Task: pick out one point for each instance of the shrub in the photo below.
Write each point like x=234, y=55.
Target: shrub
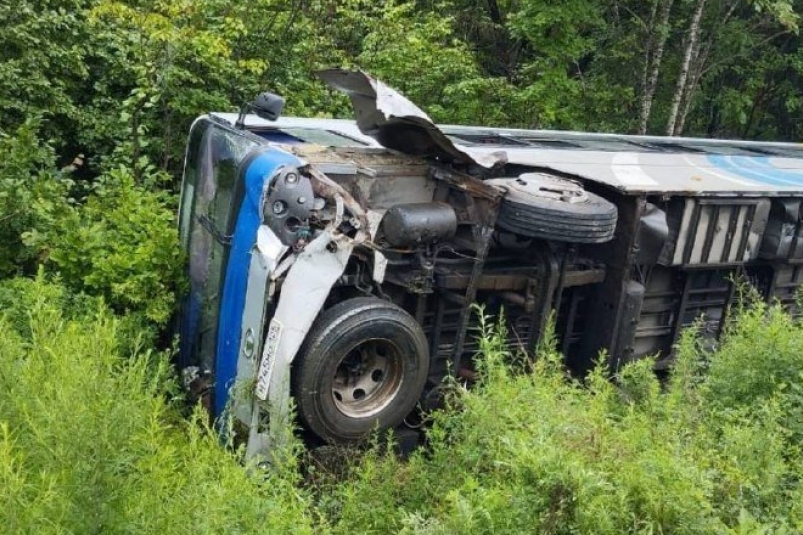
x=33, y=196
x=91, y=442
x=546, y=454
x=121, y=244
x=90, y=439
x=760, y=361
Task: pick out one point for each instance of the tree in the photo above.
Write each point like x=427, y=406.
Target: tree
x=691, y=50
x=657, y=33
x=702, y=42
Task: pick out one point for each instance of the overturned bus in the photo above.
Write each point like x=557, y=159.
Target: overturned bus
x=336, y=262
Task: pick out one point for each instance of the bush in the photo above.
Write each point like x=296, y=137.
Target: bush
x=91, y=442
x=761, y=362
x=33, y=196
x=550, y=455
x=91, y=439
x=121, y=244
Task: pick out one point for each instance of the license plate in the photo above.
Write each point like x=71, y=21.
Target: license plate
x=268, y=358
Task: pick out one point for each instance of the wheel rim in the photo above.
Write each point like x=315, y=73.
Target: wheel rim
x=367, y=378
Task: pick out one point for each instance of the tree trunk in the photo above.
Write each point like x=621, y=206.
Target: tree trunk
x=695, y=73
x=494, y=12
x=691, y=46
x=659, y=32
x=699, y=64
x=644, y=106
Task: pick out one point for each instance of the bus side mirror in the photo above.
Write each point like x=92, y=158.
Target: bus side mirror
x=268, y=106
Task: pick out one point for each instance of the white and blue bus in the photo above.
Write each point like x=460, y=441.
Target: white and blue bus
x=337, y=261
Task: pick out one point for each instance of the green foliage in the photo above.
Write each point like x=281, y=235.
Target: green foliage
x=401, y=45
x=121, y=244
x=33, y=195
x=90, y=440
x=764, y=353
x=91, y=437
x=168, y=60
x=541, y=451
x=120, y=80
x=43, y=61
x=761, y=369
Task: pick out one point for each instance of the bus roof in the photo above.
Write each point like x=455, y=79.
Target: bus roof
x=631, y=164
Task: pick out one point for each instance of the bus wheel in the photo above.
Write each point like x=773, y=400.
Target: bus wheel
x=362, y=368
x=538, y=205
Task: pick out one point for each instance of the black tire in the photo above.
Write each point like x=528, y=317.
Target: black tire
x=362, y=368
x=519, y=220
x=588, y=218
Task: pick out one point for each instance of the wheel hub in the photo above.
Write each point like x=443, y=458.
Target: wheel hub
x=542, y=186
x=367, y=379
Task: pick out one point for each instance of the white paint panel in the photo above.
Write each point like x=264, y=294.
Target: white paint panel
x=627, y=170
x=304, y=291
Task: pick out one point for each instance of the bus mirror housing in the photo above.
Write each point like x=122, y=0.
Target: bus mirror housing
x=267, y=106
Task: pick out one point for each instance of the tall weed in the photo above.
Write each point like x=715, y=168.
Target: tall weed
x=90, y=441
x=542, y=453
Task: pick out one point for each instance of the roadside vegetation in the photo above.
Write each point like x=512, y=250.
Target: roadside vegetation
x=97, y=97
x=94, y=438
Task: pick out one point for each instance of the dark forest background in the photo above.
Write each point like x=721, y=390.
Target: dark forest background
x=97, y=96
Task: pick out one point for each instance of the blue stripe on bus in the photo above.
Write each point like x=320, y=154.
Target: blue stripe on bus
x=759, y=169
x=261, y=169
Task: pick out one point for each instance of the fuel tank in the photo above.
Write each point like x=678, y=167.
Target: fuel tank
x=414, y=224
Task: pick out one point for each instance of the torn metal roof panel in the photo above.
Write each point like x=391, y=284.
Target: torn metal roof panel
x=727, y=167
x=631, y=164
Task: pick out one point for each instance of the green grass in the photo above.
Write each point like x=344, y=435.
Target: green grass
x=92, y=440
x=538, y=453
